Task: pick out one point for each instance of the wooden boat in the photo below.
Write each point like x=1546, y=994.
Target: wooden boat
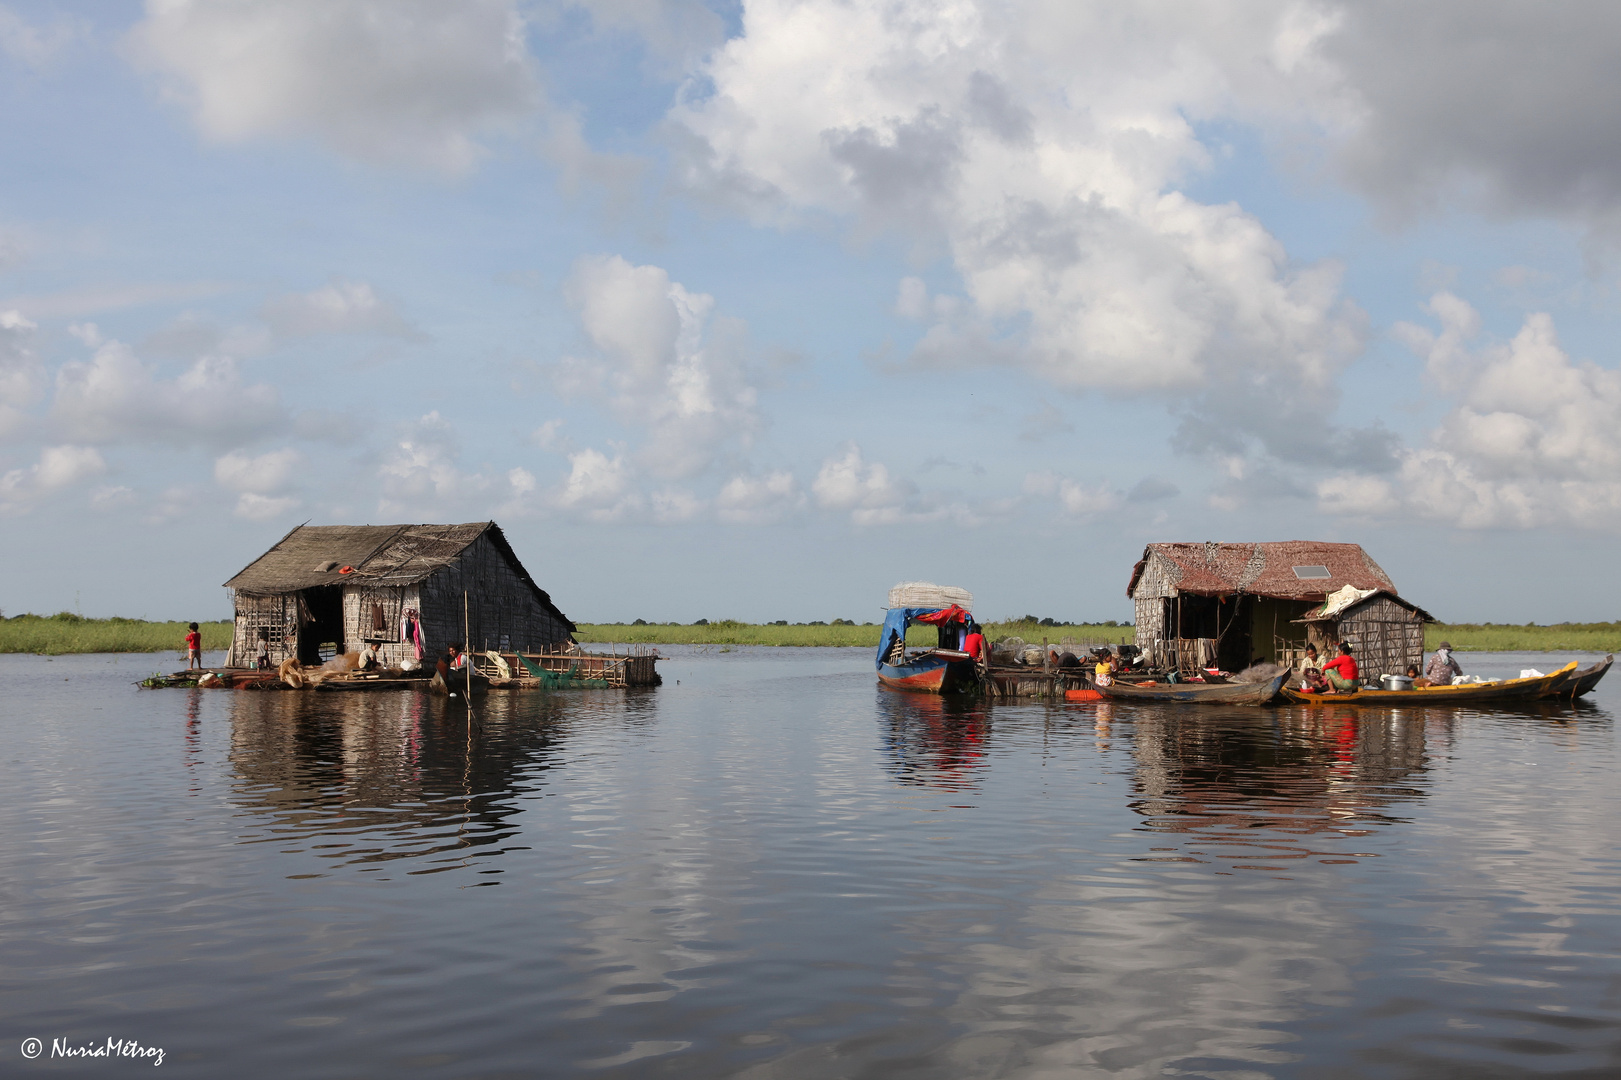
x=928, y=671
x=1582, y=682
x=1467, y=694
x=1229, y=693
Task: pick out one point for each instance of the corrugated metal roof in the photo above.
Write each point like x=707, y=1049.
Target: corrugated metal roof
x=1266, y=569
x=386, y=555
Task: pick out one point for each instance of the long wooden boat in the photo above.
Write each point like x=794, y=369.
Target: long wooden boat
x=1231, y=693
x=1467, y=694
x=1582, y=682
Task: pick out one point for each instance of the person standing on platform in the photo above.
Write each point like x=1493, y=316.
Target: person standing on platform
x=194, y=648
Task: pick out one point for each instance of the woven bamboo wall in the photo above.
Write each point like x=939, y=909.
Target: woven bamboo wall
x=278, y=615
x=1385, y=637
x=363, y=604
x=502, y=612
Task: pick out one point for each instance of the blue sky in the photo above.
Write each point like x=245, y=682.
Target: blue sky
x=752, y=311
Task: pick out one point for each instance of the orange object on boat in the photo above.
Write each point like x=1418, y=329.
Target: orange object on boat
x=1082, y=695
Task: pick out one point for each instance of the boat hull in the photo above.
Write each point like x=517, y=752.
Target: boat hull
x=1583, y=681
x=930, y=675
x=1198, y=693
x=1507, y=690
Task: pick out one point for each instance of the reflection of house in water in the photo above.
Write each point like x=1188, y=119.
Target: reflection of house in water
x=934, y=740
x=1294, y=772
x=369, y=778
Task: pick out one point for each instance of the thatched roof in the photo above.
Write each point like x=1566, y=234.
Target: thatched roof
x=1267, y=569
x=381, y=555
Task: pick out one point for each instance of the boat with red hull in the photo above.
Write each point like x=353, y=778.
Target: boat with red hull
x=939, y=670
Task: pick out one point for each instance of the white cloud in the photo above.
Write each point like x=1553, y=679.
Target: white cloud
x=1533, y=439
x=265, y=473
x=599, y=487
x=259, y=482
x=412, y=81
x=58, y=467
x=115, y=397
x=256, y=507
x=1074, y=498
x=673, y=506
x=759, y=500
x=1042, y=147
x=22, y=376
x=34, y=44
x=873, y=497
x=421, y=470
x=1490, y=102
x=664, y=362
x=343, y=307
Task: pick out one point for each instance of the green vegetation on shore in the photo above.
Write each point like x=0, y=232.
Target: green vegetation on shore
x=838, y=632
x=1502, y=637
x=65, y=632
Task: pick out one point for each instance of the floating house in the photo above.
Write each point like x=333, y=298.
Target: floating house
x=1226, y=605
x=324, y=589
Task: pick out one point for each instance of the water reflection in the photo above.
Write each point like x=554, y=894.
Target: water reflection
x=935, y=741
x=365, y=779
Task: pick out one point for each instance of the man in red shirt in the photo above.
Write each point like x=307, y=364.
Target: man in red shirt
x=1341, y=672
x=974, y=643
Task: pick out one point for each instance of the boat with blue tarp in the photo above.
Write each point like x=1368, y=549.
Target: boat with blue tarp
x=942, y=669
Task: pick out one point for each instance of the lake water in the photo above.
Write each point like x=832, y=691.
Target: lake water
x=776, y=870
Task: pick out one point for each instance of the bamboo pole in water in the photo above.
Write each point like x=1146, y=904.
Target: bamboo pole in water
x=467, y=643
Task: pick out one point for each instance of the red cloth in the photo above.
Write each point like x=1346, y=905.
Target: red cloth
x=1345, y=664
x=974, y=645
x=194, y=640
x=950, y=614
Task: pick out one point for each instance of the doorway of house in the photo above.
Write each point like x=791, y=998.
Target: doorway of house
x=321, y=637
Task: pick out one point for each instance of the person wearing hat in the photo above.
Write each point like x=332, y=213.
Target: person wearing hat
x=1442, y=666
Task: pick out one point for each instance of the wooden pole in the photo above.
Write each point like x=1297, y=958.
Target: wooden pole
x=467, y=643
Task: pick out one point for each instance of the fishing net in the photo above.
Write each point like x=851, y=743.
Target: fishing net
x=928, y=594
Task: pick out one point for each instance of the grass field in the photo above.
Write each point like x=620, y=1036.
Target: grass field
x=69, y=633
x=53, y=635
x=730, y=632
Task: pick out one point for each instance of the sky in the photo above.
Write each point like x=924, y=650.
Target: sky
x=753, y=310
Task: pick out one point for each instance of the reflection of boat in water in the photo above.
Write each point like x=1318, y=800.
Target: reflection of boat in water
x=1467, y=694
x=1230, y=693
x=1583, y=681
x=944, y=669
x=935, y=741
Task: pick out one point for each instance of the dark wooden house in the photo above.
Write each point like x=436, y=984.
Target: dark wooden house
x=336, y=588
x=1225, y=605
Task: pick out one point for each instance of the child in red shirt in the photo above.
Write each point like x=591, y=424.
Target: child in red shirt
x=1341, y=672
x=194, y=648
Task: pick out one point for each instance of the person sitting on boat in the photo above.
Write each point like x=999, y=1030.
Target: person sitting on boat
x=1341, y=672
x=1103, y=671
x=1309, y=662
x=1418, y=680
x=974, y=643
x=1443, y=666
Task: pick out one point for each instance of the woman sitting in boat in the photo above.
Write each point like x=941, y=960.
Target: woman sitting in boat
x=1443, y=667
x=1341, y=672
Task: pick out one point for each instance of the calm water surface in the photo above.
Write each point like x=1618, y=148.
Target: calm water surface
x=776, y=870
